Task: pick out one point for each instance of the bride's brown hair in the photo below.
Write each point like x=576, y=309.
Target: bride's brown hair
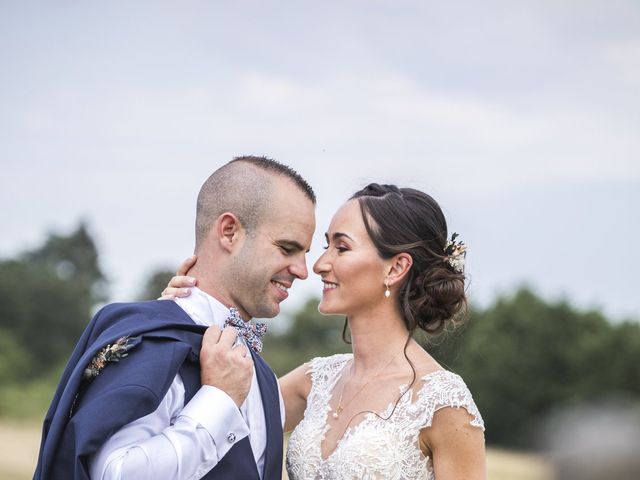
x=408, y=220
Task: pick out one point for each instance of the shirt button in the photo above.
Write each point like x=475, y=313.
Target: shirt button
x=231, y=437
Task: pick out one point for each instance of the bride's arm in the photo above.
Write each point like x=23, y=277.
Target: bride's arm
x=455, y=446
x=295, y=387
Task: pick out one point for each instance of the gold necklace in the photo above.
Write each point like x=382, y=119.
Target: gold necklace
x=340, y=407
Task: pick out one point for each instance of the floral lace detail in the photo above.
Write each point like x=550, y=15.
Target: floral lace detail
x=373, y=448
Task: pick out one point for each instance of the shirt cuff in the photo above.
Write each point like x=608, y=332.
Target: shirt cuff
x=217, y=413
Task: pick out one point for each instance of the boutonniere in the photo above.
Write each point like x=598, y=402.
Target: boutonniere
x=110, y=353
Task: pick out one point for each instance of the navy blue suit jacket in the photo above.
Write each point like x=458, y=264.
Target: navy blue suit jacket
x=166, y=342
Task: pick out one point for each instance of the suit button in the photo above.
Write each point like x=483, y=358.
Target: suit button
x=231, y=437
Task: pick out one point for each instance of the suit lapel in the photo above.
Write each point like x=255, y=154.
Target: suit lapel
x=271, y=404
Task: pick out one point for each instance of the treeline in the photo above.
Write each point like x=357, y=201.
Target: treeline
x=46, y=297
x=522, y=356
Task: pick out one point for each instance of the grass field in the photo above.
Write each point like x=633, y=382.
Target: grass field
x=19, y=450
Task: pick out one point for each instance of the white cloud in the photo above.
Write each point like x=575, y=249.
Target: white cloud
x=624, y=58
x=121, y=120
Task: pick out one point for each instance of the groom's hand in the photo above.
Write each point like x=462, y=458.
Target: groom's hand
x=225, y=365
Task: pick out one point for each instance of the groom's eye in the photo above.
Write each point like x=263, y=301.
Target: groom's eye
x=286, y=250
x=289, y=247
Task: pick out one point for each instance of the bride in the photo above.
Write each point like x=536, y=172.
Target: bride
x=388, y=410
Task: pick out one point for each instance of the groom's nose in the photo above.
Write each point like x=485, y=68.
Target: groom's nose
x=299, y=268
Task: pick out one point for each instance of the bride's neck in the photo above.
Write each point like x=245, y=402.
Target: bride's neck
x=376, y=339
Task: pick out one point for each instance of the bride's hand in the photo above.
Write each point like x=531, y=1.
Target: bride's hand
x=179, y=285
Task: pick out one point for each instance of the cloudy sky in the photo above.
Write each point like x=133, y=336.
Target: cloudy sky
x=521, y=118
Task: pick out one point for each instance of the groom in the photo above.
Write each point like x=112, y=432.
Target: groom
x=162, y=390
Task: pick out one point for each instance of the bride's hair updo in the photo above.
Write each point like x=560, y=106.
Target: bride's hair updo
x=407, y=220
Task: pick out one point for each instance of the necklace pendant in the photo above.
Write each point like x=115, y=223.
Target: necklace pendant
x=335, y=415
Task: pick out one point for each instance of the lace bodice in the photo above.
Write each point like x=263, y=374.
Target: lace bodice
x=373, y=448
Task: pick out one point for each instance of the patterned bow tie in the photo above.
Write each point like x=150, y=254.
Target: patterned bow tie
x=252, y=332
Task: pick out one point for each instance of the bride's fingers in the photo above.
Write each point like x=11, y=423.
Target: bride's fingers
x=166, y=296
x=185, y=266
x=179, y=285
x=170, y=293
x=181, y=281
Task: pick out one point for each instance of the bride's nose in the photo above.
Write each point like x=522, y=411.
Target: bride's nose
x=322, y=265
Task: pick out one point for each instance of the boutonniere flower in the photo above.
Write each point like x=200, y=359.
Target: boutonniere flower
x=110, y=353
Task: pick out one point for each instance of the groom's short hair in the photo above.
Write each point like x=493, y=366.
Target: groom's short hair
x=243, y=187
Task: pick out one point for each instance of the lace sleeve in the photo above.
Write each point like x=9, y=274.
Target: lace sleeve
x=322, y=369
x=445, y=389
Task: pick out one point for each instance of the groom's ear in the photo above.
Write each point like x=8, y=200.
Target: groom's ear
x=228, y=230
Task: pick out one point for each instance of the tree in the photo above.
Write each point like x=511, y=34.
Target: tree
x=310, y=334
x=155, y=284
x=523, y=357
x=48, y=295
x=74, y=258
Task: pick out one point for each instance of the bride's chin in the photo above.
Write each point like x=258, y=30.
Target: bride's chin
x=325, y=309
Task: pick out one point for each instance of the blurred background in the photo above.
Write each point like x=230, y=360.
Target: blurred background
x=520, y=118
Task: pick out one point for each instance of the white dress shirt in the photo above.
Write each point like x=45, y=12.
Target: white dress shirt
x=179, y=441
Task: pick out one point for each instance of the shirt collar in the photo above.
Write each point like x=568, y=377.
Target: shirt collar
x=203, y=308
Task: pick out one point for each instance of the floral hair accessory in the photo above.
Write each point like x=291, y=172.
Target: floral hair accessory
x=110, y=353
x=455, y=253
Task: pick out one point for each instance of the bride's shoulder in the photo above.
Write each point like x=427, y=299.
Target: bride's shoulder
x=327, y=367
x=332, y=361
x=434, y=379
x=442, y=388
x=438, y=381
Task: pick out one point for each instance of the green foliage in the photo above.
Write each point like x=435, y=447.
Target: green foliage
x=522, y=357
x=28, y=399
x=47, y=297
x=73, y=256
x=311, y=334
x=15, y=362
x=155, y=284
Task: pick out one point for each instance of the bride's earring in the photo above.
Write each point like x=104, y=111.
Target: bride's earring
x=387, y=293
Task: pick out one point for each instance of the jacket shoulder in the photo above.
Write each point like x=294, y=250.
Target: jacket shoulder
x=136, y=316
x=148, y=309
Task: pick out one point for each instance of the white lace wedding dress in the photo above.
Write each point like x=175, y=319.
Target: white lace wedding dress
x=373, y=448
